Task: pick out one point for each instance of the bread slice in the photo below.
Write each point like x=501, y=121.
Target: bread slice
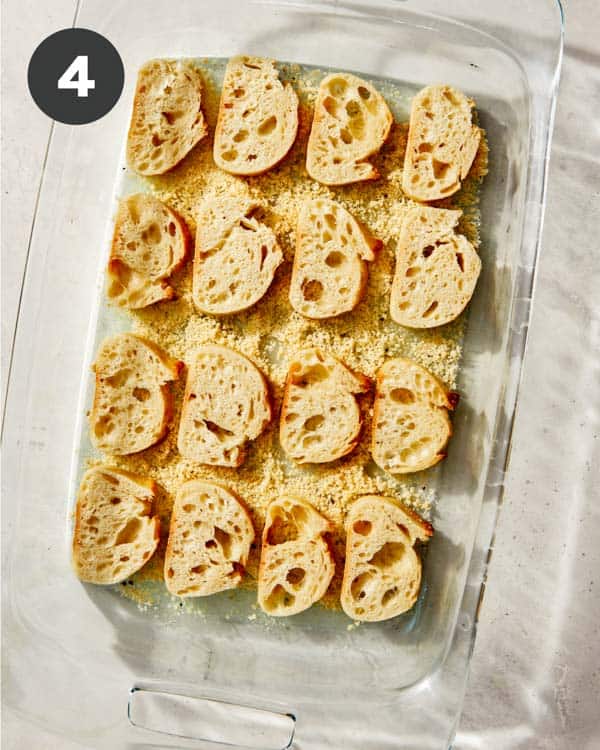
x=320, y=416
x=330, y=265
x=296, y=564
x=436, y=269
x=411, y=426
x=350, y=124
x=132, y=399
x=258, y=117
x=167, y=119
x=225, y=405
x=115, y=531
x=382, y=572
x=209, y=540
x=236, y=256
x=442, y=143
x=150, y=242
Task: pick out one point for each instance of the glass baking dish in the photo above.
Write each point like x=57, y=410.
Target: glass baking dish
x=93, y=668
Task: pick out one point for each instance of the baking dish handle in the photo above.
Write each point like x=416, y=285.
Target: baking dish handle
x=209, y=720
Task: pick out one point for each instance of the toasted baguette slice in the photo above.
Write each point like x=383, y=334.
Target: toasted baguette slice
x=167, y=119
x=411, y=426
x=382, y=572
x=436, y=269
x=350, y=124
x=209, y=540
x=115, y=533
x=132, y=400
x=330, y=270
x=236, y=256
x=442, y=143
x=296, y=564
x=320, y=416
x=226, y=404
x=258, y=117
x=150, y=242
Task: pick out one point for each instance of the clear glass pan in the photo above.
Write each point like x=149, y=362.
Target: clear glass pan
x=75, y=652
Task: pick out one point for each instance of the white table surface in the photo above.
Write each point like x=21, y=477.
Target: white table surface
x=535, y=673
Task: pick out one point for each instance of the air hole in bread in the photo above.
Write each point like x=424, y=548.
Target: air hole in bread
x=229, y=155
x=115, y=500
x=425, y=148
x=267, y=126
x=251, y=66
x=412, y=271
x=359, y=586
x=313, y=374
x=331, y=221
x=295, y=576
x=220, y=432
x=312, y=290
x=440, y=168
x=449, y=95
x=119, y=379
x=239, y=92
x=389, y=595
x=388, y=555
x=431, y=309
x=338, y=86
x=279, y=597
x=335, y=259
x=141, y=394
x=364, y=93
x=240, y=136
x=283, y=529
x=198, y=569
x=363, y=527
x=129, y=532
x=402, y=395
x=346, y=136
x=224, y=539
x=461, y=261
x=313, y=423
x=427, y=251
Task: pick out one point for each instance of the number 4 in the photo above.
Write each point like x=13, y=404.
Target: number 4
x=79, y=68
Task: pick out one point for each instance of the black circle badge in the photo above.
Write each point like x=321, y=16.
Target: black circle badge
x=75, y=76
